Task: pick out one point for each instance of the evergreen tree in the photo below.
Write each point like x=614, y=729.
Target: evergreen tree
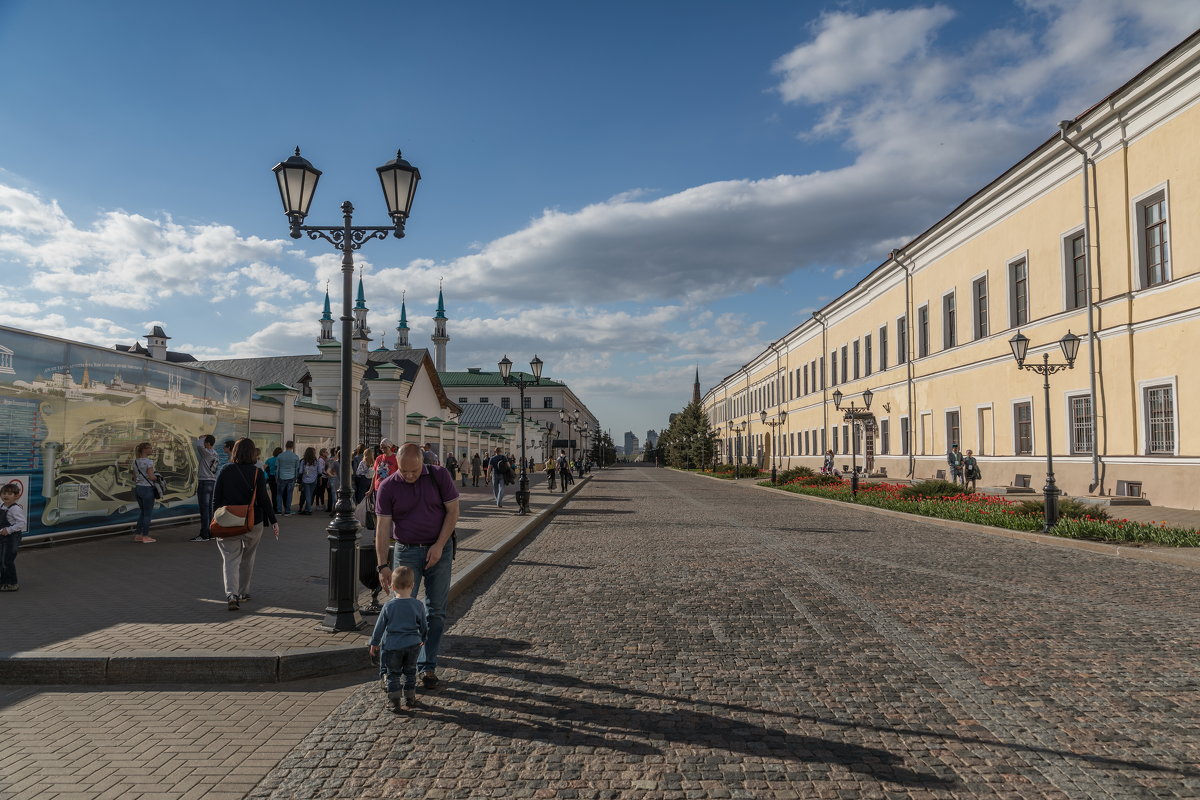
x=689, y=442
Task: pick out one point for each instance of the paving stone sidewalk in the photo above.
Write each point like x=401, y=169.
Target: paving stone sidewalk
x=114, y=599
x=671, y=637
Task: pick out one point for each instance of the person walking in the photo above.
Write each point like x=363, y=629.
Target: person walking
x=240, y=481
x=310, y=470
x=452, y=466
x=463, y=465
x=385, y=463
x=564, y=470
x=416, y=511
x=551, y=468
x=476, y=469
x=397, y=638
x=955, y=461
x=333, y=477
x=827, y=463
x=272, y=467
x=143, y=490
x=12, y=525
x=364, y=470
x=499, y=468
x=206, y=479
x=970, y=471
x=289, y=468
x=322, y=478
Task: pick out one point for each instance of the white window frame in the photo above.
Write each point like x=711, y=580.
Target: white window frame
x=906, y=442
x=885, y=441
x=1012, y=416
x=1069, y=416
x=985, y=448
x=1012, y=290
x=949, y=331
x=976, y=334
x=1143, y=427
x=1068, y=267
x=946, y=420
x=922, y=344
x=1137, y=218
x=926, y=447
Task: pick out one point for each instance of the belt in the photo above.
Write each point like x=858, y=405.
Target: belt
x=410, y=544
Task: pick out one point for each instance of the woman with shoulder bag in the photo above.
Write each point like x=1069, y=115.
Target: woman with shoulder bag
x=143, y=489
x=236, y=485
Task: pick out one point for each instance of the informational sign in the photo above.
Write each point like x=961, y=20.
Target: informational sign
x=71, y=415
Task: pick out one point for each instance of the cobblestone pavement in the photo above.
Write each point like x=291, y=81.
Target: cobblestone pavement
x=672, y=637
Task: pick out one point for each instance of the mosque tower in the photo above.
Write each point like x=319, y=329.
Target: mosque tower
x=361, y=331
x=402, y=328
x=440, y=337
x=326, y=322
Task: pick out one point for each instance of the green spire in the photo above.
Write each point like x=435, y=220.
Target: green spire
x=362, y=299
x=328, y=314
x=403, y=316
x=441, y=312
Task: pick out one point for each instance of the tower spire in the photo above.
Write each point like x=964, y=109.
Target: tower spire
x=440, y=337
x=361, y=331
x=402, y=328
x=696, y=386
x=326, y=320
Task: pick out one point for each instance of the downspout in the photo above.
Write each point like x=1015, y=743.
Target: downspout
x=1091, y=301
x=821, y=318
x=908, y=361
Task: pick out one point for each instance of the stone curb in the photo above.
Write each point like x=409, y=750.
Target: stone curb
x=93, y=667
x=1180, y=558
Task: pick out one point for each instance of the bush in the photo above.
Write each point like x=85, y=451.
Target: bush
x=1067, y=509
x=789, y=475
x=931, y=488
x=819, y=480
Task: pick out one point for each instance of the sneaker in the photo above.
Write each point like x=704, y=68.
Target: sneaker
x=200, y=539
x=8, y=587
x=429, y=679
x=233, y=602
x=243, y=598
x=410, y=697
x=396, y=704
x=144, y=539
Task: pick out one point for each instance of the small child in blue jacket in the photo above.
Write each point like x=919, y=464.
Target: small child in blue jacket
x=400, y=633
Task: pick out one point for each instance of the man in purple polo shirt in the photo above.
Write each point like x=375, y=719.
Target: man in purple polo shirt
x=416, y=509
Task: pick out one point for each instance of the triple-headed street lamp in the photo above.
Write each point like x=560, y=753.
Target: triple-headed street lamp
x=774, y=423
x=736, y=431
x=297, y=179
x=506, y=375
x=569, y=422
x=1070, y=348
x=854, y=415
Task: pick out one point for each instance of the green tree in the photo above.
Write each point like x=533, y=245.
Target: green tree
x=689, y=442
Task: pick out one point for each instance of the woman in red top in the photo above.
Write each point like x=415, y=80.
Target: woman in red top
x=385, y=463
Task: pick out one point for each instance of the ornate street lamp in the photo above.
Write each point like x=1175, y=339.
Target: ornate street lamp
x=854, y=415
x=1070, y=348
x=736, y=431
x=509, y=379
x=774, y=423
x=297, y=180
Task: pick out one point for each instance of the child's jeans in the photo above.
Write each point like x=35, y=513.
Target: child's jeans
x=399, y=664
x=8, y=558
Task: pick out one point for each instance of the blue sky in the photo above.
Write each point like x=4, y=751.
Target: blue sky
x=627, y=189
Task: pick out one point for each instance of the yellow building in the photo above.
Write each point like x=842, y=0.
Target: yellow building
x=928, y=330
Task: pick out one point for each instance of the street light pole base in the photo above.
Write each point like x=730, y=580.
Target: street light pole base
x=341, y=612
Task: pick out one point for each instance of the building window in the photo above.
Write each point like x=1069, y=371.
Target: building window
x=1076, y=257
x=979, y=303
x=953, y=429
x=483, y=399
x=547, y=402
x=805, y=368
x=527, y=402
x=833, y=368
x=845, y=438
x=905, y=436
x=883, y=343
x=462, y=400
x=806, y=443
x=505, y=402
x=885, y=444
x=1160, y=420
x=857, y=360
x=846, y=363
x=902, y=340
x=1018, y=293
x=866, y=354
x=949, y=322
x=1023, y=428
x=1081, y=423
x=1152, y=239
x=923, y=331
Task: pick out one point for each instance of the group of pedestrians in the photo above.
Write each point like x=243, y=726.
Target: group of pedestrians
x=963, y=469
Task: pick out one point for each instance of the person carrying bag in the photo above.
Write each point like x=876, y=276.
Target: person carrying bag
x=243, y=507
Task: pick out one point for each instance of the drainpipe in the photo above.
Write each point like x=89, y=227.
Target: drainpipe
x=821, y=318
x=908, y=361
x=1091, y=300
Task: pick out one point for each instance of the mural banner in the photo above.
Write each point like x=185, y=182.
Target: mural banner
x=71, y=415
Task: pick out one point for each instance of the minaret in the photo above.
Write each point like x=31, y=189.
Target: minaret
x=696, y=387
x=361, y=331
x=326, y=322
x=402, y=328
x=440, y=337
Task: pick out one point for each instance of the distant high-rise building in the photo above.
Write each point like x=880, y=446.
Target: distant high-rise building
x=651, y=438
x=631, y=443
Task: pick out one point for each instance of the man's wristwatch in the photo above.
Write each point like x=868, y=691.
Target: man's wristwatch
x=382, y=567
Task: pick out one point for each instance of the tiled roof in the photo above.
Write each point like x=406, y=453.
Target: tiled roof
x=483, y=416
x=481, y=378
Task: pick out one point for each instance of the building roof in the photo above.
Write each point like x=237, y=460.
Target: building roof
x=173, y=357
x=484, y=416
x=477, y=377
x=286, y=370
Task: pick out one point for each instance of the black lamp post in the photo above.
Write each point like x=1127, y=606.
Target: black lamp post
x=506, y=375
x=1070, y=348
x=736, y=430
x=297, y=180
x=773, y=423
x=854, y=415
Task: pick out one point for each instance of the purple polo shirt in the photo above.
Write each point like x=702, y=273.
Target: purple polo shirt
x=417, y=509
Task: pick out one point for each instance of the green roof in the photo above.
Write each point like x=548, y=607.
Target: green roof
x=274, y=387
x=449, y=379
x=416, y=415
x=436, y=419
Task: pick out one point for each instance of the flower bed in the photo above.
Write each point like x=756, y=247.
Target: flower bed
x=986, y=509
